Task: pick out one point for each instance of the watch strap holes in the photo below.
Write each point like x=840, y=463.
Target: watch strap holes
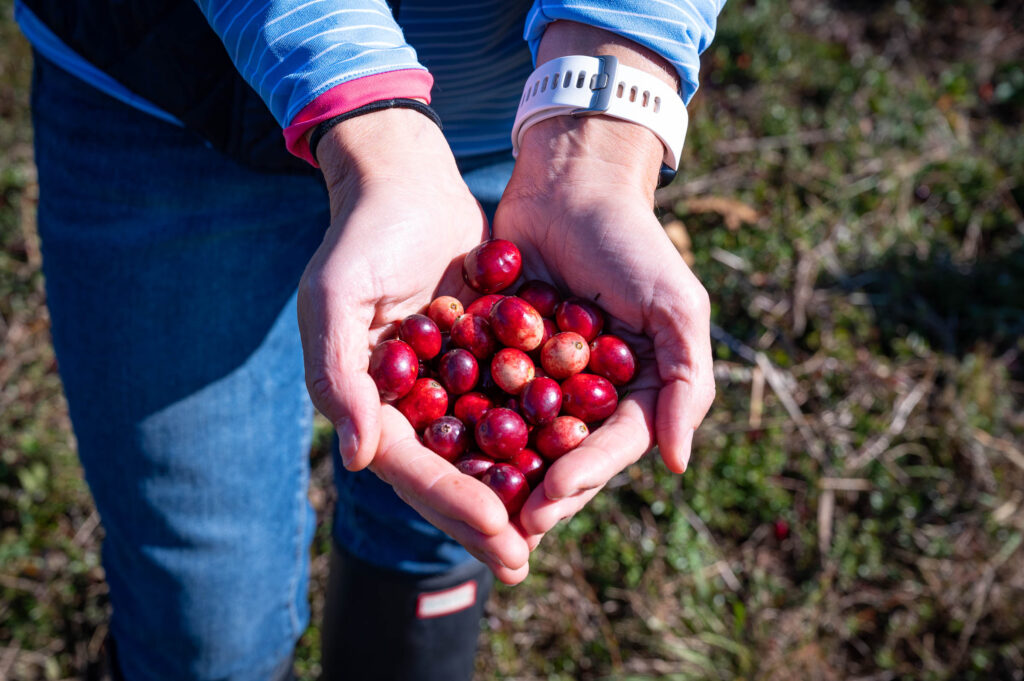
x=581, y=79
x=536, y=86
x=554, y=80
x=568, y=79
x=657, y=104
x=646, y=99
x=544, y=84
x=632, y=93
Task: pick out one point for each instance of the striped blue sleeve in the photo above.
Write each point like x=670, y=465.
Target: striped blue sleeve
x=678, y=30
x=292, y=51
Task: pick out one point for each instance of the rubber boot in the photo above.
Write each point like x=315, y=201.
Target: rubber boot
x=383, y=625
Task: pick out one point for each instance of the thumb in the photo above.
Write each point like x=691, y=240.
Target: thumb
x=335, y=349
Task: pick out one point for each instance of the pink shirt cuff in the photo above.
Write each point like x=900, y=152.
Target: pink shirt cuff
x=352, y=94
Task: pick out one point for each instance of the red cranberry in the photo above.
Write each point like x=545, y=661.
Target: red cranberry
x=567, y=353
x=393, y=367
x=531, y=464
x=444, y=310
x=422, y=334
x=589, y=397
x=474, y=464
x=501, y=433
x=511, y=370
x=447, y=436
x=492, y=265
x=509, y=483
x=426, y=402
x=516, y=324
x=612, y=358
x=458, y=371
x=541, y=400
x=562, y=435
x=541, y=295
x=781, y=528
x=470, y=408
x=580, y=315
x=481, y=307
x=474, y=334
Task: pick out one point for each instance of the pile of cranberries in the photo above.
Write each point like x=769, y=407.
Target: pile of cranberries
x=509, y=383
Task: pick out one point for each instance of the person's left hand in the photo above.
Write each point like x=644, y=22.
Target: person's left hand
x=579, y=206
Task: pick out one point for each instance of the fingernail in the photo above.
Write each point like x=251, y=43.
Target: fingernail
x=687, y=448
x=348, y=439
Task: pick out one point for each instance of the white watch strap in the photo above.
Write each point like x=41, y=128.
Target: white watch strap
x=581, y=86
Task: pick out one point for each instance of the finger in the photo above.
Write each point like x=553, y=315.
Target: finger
x=506, y=553
x=426, y=480
x=334, y=330
x=682, y=346
x=620, y=441
x=457, y=504
x=540, y=514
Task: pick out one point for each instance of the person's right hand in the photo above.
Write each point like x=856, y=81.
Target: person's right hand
x=401, y=220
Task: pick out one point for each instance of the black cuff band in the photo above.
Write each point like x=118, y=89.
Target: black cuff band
x=416, y=105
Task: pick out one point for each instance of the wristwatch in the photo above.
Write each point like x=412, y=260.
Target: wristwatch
x=579, y=85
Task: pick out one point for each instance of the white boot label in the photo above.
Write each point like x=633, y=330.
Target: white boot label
x=440, y=603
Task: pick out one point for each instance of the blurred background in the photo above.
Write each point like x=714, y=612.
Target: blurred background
x=851, y=196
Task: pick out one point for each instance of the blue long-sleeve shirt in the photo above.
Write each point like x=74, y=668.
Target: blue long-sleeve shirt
x=293, y=52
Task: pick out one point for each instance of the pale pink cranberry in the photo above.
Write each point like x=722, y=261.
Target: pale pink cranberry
x=511, y=370
x=443, y=311
x=567, y=353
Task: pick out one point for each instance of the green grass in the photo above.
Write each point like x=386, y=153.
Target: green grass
x=852, y=190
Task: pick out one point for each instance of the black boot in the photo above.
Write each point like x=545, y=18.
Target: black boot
x=382, y=625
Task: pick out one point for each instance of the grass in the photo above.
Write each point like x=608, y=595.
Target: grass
x=852, y=198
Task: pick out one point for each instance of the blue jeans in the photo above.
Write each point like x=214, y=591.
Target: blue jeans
x=171, y=274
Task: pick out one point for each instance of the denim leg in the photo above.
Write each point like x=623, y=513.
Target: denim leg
x=171, y=276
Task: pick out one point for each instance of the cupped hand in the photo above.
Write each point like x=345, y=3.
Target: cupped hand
x=586, y=224
x=401, y=220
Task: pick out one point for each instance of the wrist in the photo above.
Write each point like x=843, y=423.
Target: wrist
x=601, y=152
x=389, y=144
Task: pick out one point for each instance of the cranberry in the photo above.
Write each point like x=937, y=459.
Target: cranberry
x=447, y=436
x=541, y=400
x=492, y=265
x=511, y=370
x=474, y=464
x=426, y=402
x=470, y=408
x=580, y=315
x=474, y=334
x=393, y=367
x=444, y=310
x=516, y=324
x=781, y=528
x=509, y=483
x=458, y=371
x=422, y=334
x=481, y=307
x=541, y=295
x=501, y=433
x=562, y=435
x=567, y=353
x=612, y=358
x=589, y=397
x=531, y=464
